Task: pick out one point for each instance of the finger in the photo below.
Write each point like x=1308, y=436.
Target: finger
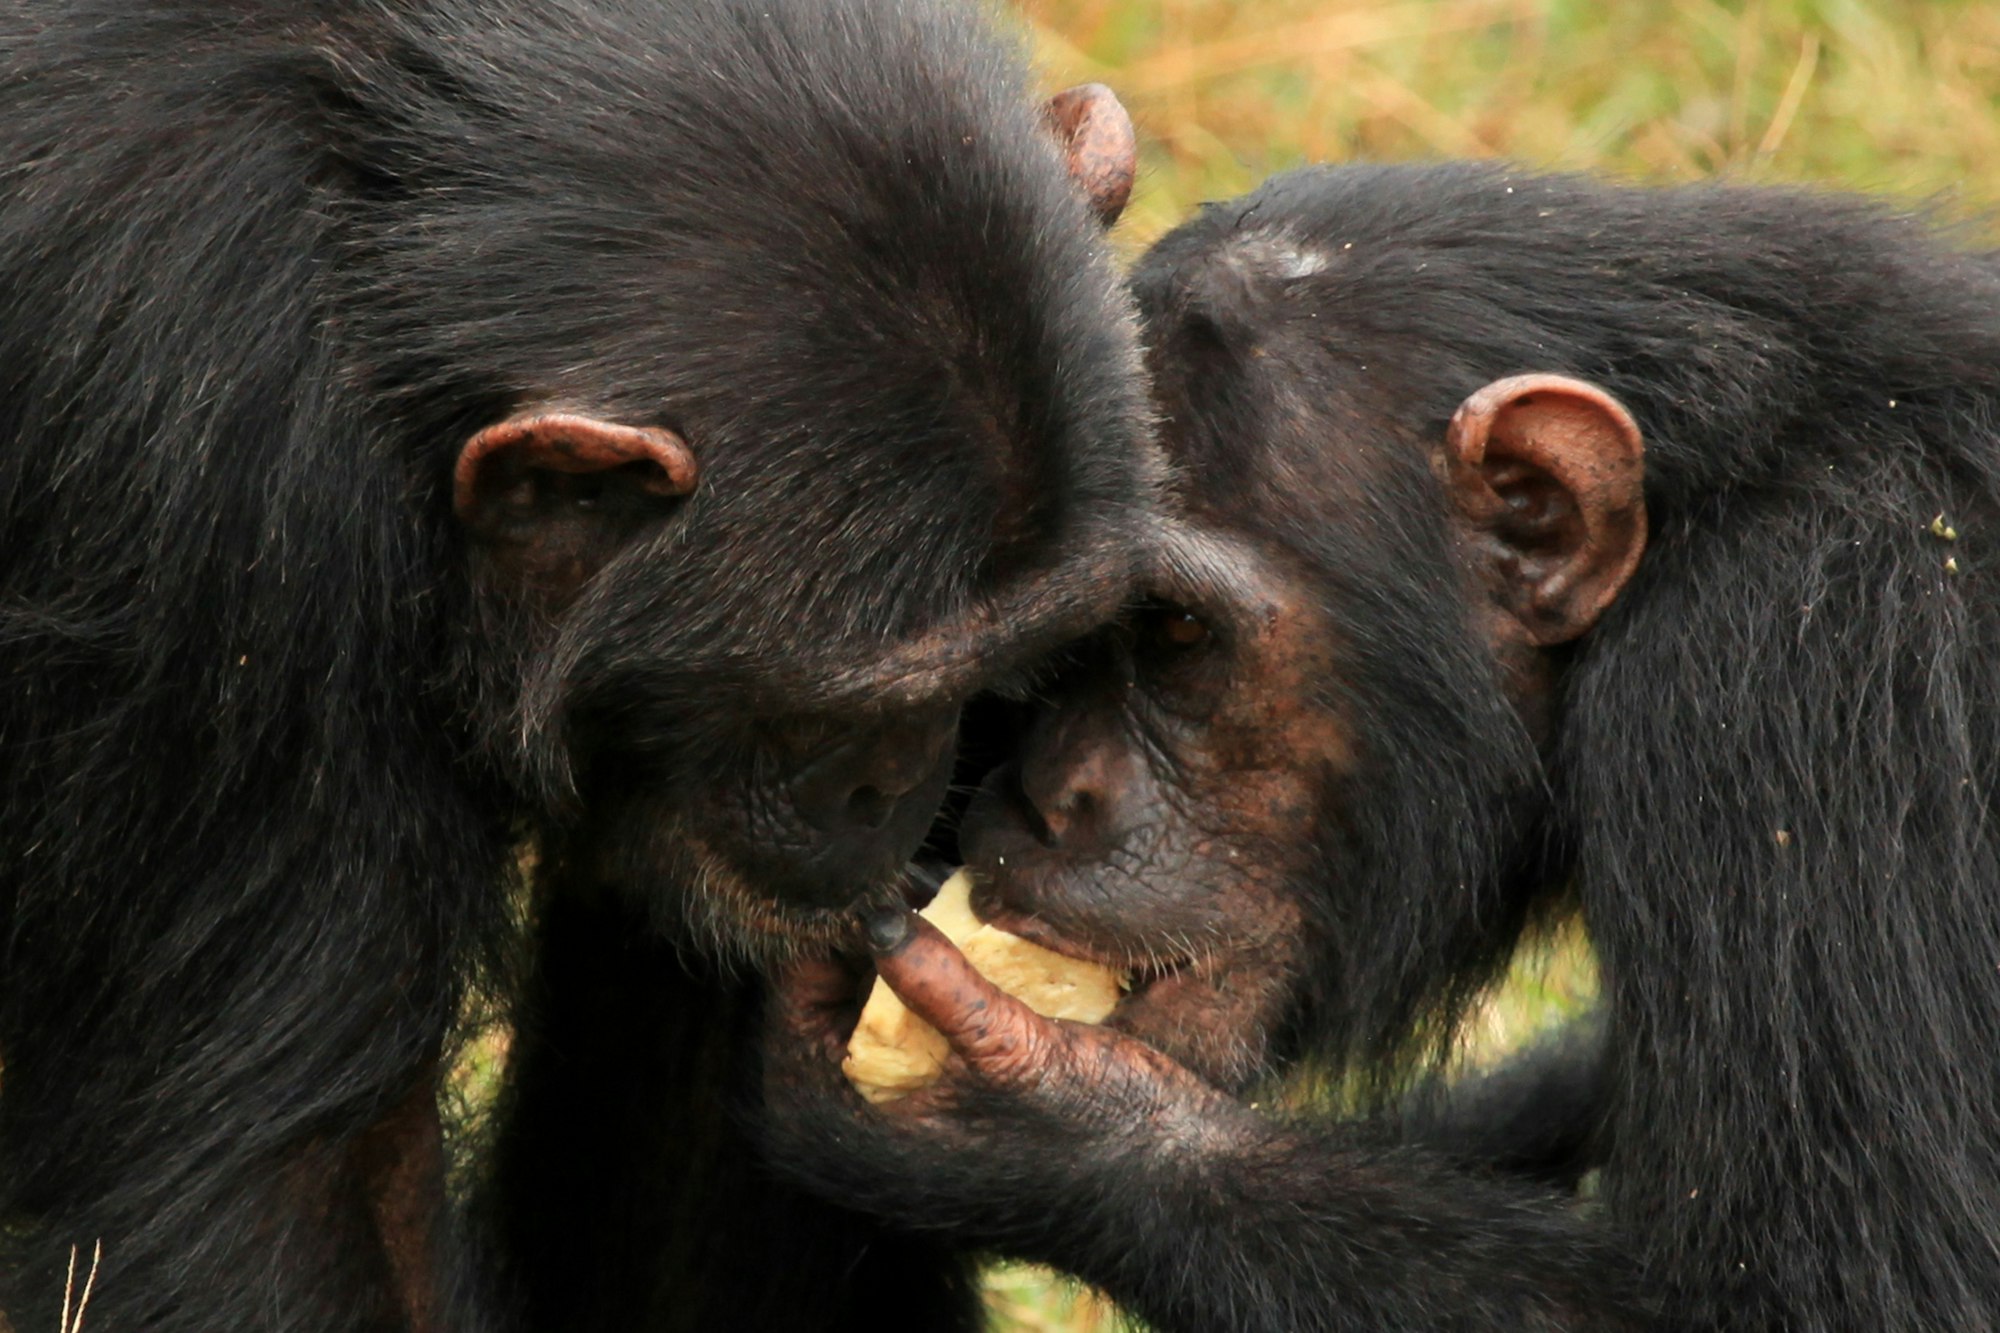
x=995, y=1034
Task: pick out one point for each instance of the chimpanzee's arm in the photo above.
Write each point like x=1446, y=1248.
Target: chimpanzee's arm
x=1077, y=1147
x=1538, y=1115
x=1274, y=1227
x=628, y=1195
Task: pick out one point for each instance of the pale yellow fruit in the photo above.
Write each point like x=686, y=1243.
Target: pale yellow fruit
x=893, y=1052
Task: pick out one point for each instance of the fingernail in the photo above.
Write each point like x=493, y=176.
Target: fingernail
x=888, y=929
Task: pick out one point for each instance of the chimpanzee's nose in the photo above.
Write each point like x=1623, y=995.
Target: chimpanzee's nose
x=857, y=786
x=862, y=796
x=1072, y=785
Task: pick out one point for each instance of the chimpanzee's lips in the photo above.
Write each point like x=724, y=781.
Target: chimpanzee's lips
x=1154, y=971
x=1142, y=967
x=1037, y=931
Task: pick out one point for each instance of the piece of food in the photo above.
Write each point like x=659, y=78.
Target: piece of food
x=893, y=1052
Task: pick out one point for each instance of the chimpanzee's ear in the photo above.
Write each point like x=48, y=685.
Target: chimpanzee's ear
x=552, y=494
x=1548, y=473
x=1098, y=141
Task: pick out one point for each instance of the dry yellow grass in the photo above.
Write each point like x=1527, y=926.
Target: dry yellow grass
x=1898, y=97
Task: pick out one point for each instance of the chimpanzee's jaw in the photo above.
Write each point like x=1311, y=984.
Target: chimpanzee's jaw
x=720, y=911
x=1210, y=1010
x=1204, y=1026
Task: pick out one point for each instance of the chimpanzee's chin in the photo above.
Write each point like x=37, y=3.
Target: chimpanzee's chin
x=702, y=898
x=716, y=911
x=708, y=872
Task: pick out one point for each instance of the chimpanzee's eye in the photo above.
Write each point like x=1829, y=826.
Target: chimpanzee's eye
x=1170, y=628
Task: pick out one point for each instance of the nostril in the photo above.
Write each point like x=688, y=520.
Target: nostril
x=1076, y=799
x=1074, y=806
x=1031, y=814
x=1064, y=816
x=870, y=807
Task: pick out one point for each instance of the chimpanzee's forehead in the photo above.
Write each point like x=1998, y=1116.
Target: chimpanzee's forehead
x=797, y=205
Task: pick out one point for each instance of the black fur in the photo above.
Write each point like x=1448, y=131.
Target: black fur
x=632, y=1194
x=1768, y=778
x=1773, y=763
x=267, y=743
x=1538, y=1114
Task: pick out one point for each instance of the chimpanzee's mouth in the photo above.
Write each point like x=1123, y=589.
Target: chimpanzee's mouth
x=989, y=732
x=924, y=874
x=1144, y=968
x=991, y=729
x=1157, y=972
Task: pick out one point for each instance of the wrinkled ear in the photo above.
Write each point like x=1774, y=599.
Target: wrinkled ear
x=553, y=494
x=1548, y=472
x=1100, y=145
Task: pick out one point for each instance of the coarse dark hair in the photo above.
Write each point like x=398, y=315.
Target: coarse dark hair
x=266, y=745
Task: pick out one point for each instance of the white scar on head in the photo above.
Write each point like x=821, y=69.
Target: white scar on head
x=1268, y=255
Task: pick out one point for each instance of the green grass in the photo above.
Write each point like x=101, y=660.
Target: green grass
x=1896, y=98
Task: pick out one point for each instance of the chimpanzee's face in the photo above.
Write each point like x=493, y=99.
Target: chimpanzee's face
x=1170, y=796
x=816, y=461
x=1344, y=671
x=759, y=715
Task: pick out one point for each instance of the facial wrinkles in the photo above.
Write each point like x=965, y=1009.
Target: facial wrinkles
x=1238, y=784
x=1272, y=718
x=1162, y=854
x=1230, y=988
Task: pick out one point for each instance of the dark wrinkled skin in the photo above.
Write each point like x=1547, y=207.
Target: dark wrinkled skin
x=1222, y=758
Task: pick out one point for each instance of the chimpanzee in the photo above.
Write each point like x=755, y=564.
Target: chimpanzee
x=1543, y=540
x=427, y=424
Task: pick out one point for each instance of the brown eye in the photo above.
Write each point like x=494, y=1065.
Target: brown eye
x=1172, y=627
x=1183, y=630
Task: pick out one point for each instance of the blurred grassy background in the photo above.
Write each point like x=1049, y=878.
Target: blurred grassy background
x=1874, y=94
x=1881, y=95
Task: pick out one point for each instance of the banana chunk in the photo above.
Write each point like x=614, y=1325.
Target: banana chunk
x=893, y=1052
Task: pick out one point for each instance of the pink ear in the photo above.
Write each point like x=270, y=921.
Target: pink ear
x=571, y=443
x=1100, y=145
x=1550, y=471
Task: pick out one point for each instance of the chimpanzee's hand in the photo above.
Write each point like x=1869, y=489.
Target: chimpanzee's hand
x=1034, y=1121
x=1088, y=1078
